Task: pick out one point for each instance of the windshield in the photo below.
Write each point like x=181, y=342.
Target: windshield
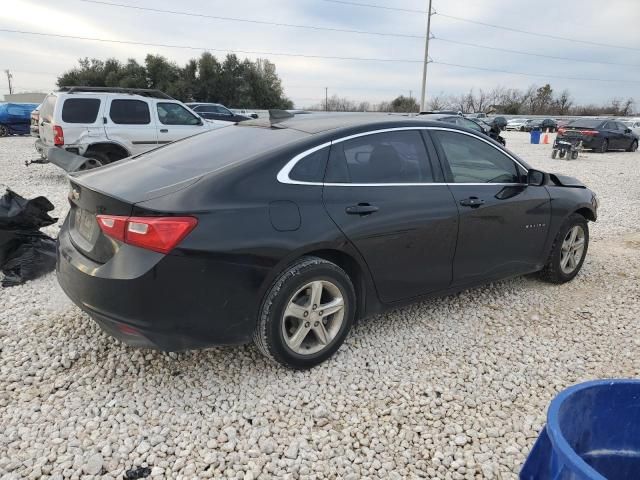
x=585, y=123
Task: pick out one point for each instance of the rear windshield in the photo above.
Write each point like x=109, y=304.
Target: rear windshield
x=80, y=110
x=583, y=123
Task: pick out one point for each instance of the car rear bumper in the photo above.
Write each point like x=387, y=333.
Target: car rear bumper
x=166, y=302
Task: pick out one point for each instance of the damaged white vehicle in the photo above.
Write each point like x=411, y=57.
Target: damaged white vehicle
x=102, y=125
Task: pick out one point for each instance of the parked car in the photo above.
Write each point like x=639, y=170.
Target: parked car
x=601, y=135
x=34, y=124
x=285, y=236
x=246, y=113
x=541, y=124
x=517, y=124
x=633, y=124
x=108, y=124
x=215, y=111
x=477, y=115
x=483, y=126
x=15, y=118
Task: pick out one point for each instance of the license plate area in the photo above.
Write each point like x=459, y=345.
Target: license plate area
x=85, y=224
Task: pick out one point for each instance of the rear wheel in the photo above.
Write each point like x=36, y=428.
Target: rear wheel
x=574, y=155
x=306, y=315
x=4, y=131
x=568, y=251
x=604, y=148
x=94, y=160
x=633, y=147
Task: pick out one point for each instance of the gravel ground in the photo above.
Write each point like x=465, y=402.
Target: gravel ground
x=451, y=388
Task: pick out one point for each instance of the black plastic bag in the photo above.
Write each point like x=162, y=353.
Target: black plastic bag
x=25, y=252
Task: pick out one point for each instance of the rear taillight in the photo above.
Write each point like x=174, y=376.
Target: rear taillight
x=58, y=136
x=589, y=133
x=160, y=234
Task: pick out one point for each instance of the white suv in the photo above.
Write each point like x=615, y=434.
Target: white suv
x=107, y=124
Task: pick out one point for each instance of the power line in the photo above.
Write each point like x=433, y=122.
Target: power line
x=189, y=47
x=532, y=54
x=540, y=75
x=252, y=21
x=369, y=5
x=537, y=34
x=255, y=52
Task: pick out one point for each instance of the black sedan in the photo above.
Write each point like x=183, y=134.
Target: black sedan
x=541, y=124
x=600, y=135
x=285, y=232
x=215, y=111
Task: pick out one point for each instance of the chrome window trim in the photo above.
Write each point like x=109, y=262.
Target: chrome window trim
x=283, y=174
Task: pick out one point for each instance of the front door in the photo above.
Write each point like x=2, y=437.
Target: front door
x=503, y=222
x=176, y=122
x=380, y=189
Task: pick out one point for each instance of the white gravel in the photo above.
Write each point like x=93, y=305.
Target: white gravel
x=451, y=388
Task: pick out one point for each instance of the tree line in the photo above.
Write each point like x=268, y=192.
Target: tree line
x=500, y=100
x=232, y=82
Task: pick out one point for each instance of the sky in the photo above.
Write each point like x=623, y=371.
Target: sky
x=36, y=61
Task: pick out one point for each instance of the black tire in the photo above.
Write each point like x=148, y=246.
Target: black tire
x=554, y=153
x=604, y=148
x=633, y=147
x=95, y=160
x=574, y=155
x=552, y=271
x=4, y=131
x=562, y=153
x=268, y=335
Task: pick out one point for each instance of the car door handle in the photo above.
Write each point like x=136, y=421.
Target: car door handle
x=362, y=209
x=473, y=202
x=164, y=130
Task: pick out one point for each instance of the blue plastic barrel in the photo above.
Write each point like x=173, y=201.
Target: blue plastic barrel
x=592, y=432
x=535, y=136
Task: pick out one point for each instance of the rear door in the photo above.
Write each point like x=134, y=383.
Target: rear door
x=129, y=123
x=386, y=194
x=503, y=222
x=80, y=117
x=176, y=122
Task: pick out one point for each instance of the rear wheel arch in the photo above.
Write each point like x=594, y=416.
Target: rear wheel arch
x=113, y=151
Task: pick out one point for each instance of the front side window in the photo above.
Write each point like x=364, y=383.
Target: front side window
x=130, y=112
x=473, y=161
x=175, y=114
x=389, y=157
x=80, y=110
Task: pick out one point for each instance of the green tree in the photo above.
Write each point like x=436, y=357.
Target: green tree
x=404, y=104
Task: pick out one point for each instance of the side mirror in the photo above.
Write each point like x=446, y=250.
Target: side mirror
x=627, y=130
x=536, y=178
x=200, y=121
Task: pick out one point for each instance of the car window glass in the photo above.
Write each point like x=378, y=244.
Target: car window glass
x=390, y=157
x=311, y=168
x=470, y=124
x=129, y=112
x=174, y=114
x=46, y=110
x=221, y=110
x=473, y=161
x=621, y=126
x=80, y=110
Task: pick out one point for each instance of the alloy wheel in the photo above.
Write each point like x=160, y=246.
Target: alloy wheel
x=90, y=163
x=572, y=249
x=313, y=317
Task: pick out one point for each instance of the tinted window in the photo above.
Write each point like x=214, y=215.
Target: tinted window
x=620, y=126
x=311, y=168
x=474, y=161
x=130, y=112
x=80, y=110
x=391, y=157
x=463, y=122
x=174, y=114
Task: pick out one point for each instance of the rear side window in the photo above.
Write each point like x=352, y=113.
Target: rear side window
x=80, y=110
x=130, y=112
x=311, y=168
x=47, y=107
x=174, y=114
x=389, y=157
x=473, y=161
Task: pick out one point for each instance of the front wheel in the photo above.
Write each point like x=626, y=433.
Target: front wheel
x=306, y=314
x=633, y=147
x=4, y=131
x=568, y=251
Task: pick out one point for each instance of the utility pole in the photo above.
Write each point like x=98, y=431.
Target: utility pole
x=9, y=78
x=423, y=106
x=326, y=99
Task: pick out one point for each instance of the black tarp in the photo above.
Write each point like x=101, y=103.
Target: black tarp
x=25, y=252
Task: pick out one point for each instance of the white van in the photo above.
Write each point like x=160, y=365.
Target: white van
x=108, y=124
